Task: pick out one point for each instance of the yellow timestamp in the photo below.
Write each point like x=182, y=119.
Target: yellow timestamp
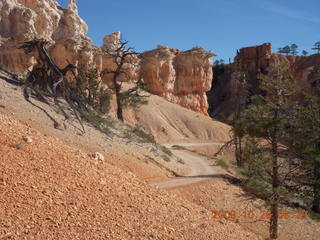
x=258, y=215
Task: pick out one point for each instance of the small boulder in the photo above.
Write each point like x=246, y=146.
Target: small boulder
x=27, y=139
x=98, y=156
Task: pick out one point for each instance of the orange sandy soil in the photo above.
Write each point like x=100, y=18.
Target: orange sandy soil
x=49, y=190
x=218, y=194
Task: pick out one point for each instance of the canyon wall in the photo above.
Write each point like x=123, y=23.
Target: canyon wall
x=182, y=77
x=253, y=61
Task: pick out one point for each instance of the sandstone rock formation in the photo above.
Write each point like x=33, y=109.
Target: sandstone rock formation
x=255, y=60
x=182, y=77
x=23, y=20
x=131, y=66
x=111, y=41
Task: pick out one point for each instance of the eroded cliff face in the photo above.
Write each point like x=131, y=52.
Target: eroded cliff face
x=181, y=77
x=23, y=20
x=255, y=60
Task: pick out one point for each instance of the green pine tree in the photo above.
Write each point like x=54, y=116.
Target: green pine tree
x=317, y=47
x=242, y=95
x=286, y=50
x=294, y=49
x=305, y=142
x=265, y=123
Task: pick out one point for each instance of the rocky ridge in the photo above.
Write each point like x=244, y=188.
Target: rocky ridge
x=182, y=77
x=255, y=60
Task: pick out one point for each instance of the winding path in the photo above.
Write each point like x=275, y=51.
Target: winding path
x=200, y=166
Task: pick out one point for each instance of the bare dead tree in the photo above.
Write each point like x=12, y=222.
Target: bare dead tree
x=124, y=58
x=51, y=74
x=46, y=75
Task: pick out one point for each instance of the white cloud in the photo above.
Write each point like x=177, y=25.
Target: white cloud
x=288, y=12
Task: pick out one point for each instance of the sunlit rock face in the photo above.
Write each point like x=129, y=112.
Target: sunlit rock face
x=70, y=25
x=17, y=23
x=112, y=41
x=131, y=65
x=24, y=20
x=259, y=59
x=182, y=77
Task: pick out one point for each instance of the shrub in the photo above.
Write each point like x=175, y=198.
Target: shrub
x=166, y=158
x=166, y=150
x=222, y=164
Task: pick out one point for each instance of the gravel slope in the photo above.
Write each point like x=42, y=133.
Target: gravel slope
x=49, y=190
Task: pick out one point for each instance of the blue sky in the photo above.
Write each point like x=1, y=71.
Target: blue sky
x=221, y=26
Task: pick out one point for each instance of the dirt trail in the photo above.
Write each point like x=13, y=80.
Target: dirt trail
x=194, y=144
x=200, y=166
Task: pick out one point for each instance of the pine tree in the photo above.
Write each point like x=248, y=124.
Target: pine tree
x=317, y=47
x=286, y=50
x=305, y=142
x=280, y=50
x=242, y=95
x=265, y=123
x=294, y=49
x=240, y=79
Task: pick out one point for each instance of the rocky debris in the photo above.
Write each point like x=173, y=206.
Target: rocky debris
x=27, y=139
x=53, y=191
x=181, y=77
x=71, y=197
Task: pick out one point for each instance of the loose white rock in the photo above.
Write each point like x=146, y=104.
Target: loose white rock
x=98, y=156
x=27, y=139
